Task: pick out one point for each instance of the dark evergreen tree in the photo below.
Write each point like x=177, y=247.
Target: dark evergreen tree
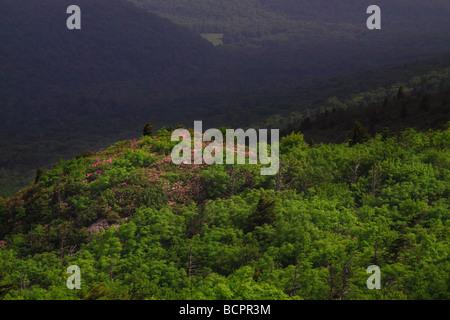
x=404, y=111
x=425, y=102
x=400, y=94
x=256, y=274
x=263, y=214
x=148, y=130
x=306, y=124
x=39, y=173
x=385, y=102
x=360, y=134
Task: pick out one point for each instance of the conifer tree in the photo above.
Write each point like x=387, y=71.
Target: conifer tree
x=148, y=130
x=403, y=111
x=39, y=173
x=400, y=93
x=263, y=214
x=360, y=134
x=425, y=102
x=385, y=102
x=306, y=124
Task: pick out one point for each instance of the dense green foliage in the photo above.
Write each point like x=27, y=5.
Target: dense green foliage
x=140, y=227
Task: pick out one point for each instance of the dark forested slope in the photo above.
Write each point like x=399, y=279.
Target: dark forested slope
x=406, y=109
x=61, y=87
x=118, y=42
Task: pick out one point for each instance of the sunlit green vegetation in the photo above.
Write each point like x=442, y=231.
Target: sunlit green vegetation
x=140, y=227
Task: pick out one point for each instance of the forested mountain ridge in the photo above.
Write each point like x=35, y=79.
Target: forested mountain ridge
x=140, y=227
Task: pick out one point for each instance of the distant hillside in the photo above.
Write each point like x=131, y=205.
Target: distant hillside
x=61, y=87
x=247, y=22
x=118, y=43
x=400, y=14
x=279, y=107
